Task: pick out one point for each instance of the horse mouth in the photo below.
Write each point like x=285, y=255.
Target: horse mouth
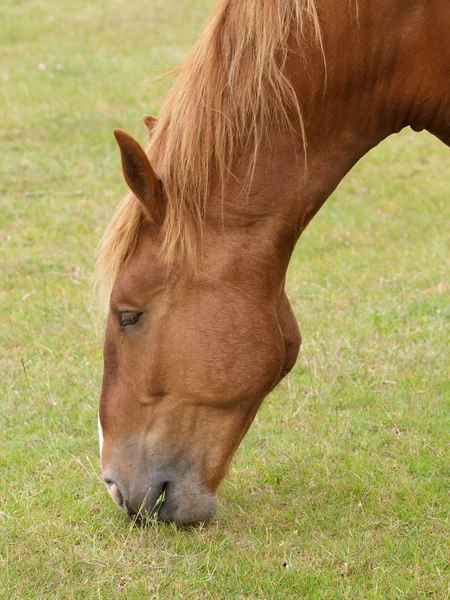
x=149, y=510
x=160, y=500
x=168, y=500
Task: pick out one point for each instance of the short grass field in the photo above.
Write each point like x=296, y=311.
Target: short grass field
x=341, y=489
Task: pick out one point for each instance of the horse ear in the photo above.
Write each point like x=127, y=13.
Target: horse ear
x=150, y=122
x=139, y=175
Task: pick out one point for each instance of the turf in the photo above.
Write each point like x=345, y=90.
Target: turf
x=341, y=488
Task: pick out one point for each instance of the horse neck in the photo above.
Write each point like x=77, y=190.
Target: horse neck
x=385, y=69
x=387, y=64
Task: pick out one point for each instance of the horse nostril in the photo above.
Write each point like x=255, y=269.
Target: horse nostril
x=114, y=492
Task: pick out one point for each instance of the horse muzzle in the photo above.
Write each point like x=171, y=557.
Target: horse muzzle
x=180, y=500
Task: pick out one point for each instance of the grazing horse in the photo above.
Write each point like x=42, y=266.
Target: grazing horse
x=274, y=105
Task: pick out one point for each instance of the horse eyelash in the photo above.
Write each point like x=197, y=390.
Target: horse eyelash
x=131, y=321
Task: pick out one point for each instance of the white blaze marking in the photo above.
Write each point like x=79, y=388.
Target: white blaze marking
x=100, y=437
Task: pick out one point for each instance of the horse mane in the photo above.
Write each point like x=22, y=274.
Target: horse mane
x=231, y=90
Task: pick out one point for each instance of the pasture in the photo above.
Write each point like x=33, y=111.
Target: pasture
x=341, y=487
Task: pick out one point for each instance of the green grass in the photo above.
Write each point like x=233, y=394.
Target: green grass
x=341, y=488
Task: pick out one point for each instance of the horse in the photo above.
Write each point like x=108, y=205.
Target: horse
x=276, y=102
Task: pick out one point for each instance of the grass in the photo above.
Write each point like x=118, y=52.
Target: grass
x=341, y=488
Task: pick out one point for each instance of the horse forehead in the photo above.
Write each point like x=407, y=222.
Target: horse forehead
x=143, y=271
x=100, y=435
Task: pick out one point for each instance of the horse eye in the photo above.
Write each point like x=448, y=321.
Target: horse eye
x=128, y=318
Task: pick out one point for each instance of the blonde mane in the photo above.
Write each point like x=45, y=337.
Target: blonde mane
x=228, y=94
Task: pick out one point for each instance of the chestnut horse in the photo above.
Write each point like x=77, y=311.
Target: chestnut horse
x=274, y=105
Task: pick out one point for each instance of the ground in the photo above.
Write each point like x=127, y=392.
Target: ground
x=341, y=487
